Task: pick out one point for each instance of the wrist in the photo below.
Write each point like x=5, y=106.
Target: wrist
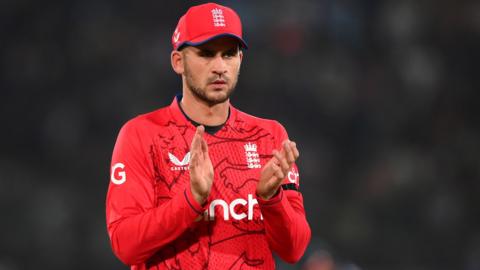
x=269, y=195
x=199, y=198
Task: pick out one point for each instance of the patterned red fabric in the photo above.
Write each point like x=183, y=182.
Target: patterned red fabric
x=155, y=223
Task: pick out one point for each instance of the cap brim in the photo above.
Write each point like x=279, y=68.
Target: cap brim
x=242, y=43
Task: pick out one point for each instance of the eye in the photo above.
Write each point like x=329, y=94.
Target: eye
x=206, y=53
x=230, y=53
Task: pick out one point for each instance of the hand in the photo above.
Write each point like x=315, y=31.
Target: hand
x=201, y=168
x=276, y=169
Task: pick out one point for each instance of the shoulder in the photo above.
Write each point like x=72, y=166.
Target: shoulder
x=146, y=121
x=272, y=126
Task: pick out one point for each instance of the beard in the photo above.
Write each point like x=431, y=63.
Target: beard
x=203, y=95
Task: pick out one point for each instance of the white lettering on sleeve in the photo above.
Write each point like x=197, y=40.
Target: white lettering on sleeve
x=121, y=174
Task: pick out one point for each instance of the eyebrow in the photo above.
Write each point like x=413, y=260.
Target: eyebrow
x=208, y=50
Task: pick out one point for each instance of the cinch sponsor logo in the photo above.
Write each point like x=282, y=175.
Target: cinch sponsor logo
x=228, y=210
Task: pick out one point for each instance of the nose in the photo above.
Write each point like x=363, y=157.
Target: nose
x=219, y=66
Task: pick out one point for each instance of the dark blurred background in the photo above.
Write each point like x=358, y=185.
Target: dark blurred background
x=381, y=96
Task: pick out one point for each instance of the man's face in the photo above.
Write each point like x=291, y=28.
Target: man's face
x=211, y=70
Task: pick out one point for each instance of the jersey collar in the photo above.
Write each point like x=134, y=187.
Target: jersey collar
x=180, y=118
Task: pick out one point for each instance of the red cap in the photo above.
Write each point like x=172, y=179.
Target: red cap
x=205, y=22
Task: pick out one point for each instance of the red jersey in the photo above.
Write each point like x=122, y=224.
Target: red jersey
x=153, y=220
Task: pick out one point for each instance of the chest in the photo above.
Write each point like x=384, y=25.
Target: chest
x=237, y=159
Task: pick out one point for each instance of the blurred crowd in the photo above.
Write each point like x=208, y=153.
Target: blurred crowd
x=381, y=97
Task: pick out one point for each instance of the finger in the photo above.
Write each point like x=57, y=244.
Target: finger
x=204, y=146
x=278, y=173
x=274, y=158
x=284, y=166
x=296, y=153
x=268, y=170
x=200, y=130
x=199, y=134
x=196, y=143
x=194, y=153
x=196, y=147
x=289, y=152
x=272, y=184
x=193, y=159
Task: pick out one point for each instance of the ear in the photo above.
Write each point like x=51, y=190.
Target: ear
x=176, y=58
x=240, y=54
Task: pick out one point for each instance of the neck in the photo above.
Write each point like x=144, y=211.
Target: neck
x=203, y=113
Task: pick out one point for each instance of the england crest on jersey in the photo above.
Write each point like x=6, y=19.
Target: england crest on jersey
x=251, y=154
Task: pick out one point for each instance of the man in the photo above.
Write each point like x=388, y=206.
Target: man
x=200, y=184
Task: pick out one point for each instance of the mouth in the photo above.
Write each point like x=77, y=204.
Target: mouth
x=218, y=82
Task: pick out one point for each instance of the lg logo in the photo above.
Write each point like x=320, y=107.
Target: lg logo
x=118, y=170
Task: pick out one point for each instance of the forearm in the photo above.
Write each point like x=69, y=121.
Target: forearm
x=286, y=227
x=136, y=238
